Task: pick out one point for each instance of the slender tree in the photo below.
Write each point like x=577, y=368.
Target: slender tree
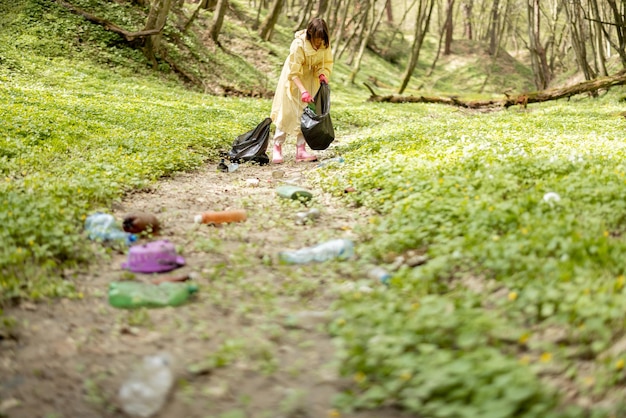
x=620, y=29
x=467, y=19
x=218, y=20
x=265, y=32
x=376, y=18
x=578, y=35
x=157, y=16
x=598, y=39
x=536, y=49
x=422, y=22
x=449, y=28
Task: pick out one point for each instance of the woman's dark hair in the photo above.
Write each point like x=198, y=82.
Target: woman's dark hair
x=318, y=29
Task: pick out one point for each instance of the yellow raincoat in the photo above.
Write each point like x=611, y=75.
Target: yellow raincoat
x=307, y=64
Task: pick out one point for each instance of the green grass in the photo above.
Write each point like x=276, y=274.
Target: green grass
x=506, y=266
x=520, y=294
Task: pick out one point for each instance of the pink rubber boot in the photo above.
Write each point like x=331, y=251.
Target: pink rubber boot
x=302, y=155
x=277, y=154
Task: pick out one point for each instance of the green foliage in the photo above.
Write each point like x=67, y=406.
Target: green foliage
x=475, y=193
x=517, y=285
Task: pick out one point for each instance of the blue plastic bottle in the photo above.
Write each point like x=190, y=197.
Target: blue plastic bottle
x=340, y=249
x=102, y=227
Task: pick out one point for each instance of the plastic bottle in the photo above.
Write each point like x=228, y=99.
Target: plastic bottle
x=220, y=217
x=379, y=274
x=341, y=249
x=130, y=294
x=330, y=161
x=102, y=227
x=145, y=391
x=303, y=217
x=288, y=191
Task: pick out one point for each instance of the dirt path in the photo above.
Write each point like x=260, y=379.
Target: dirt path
x=250, y=344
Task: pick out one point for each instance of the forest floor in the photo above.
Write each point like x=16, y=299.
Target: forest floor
x=251, y=343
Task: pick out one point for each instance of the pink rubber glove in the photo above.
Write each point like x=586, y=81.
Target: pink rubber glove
x=306, y=97
x=323, y=79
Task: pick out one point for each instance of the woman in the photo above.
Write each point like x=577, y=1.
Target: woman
x=309, y=63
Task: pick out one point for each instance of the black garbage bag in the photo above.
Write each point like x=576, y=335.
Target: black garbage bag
x=316, y=124
x=252, y=146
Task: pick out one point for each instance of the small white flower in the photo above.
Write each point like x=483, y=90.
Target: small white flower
x=551, y=197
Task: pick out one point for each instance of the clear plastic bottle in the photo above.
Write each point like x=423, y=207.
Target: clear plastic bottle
x=379, y=274
x=103, y=227
x=145, y=391
x=340, y=249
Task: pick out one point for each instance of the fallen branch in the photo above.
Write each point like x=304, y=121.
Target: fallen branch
x=591, y=86
x=130, y=37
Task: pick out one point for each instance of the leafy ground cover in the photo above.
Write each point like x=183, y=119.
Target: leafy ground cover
x=520, y=218
x=503, y=232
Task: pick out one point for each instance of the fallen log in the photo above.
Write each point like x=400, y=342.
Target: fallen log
x=591, y=86
x=130, y=37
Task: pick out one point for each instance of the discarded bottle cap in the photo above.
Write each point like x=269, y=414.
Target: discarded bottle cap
x=220, y=217
x=293, y=192
x=302, y=217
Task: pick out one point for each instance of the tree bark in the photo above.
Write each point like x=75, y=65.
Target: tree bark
x=366, y=37
x=467, y=19
x=159, y=10
x=537, y=52
x=449, y=28
x=493, y=27
x=130, y=37
x=218, y=20
x=591, y=87
x=267, y=27
x=421, y=29
x=577, y=37
x=598, y=38
x=620, y=29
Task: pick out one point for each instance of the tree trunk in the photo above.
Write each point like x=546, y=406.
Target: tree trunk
x=467, y=19
x=598, y=39
x=339, y=27
x=537, y=52
x=620, y=29
x=218, y=20
x=159, y=10
x=449, y=28
x=577, y=37
x=493, y=27
x=265, y=32
x=305, y=12
x=422, y=22
x=368, y=34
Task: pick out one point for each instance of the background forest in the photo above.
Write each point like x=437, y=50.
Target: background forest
x=503, y=230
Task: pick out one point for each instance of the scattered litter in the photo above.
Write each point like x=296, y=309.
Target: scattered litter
x=153, y=257
x=331, y=161
x=145, y=391
x=293, y=192
x=340, y=249
x=304, y=217
x=253, y=182
x=220, y=217
x=379, y=274
x=139, y=222
x=131, y=294
x=103, y=227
